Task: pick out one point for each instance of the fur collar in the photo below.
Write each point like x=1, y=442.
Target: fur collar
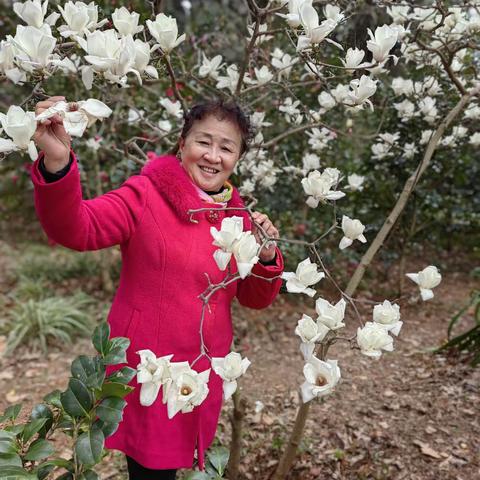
x=176, y=187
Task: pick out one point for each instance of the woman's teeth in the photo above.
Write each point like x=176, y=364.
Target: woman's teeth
x=209, y=170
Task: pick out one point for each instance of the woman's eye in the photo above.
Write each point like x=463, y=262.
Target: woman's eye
x=201, y=142
x=226, y=149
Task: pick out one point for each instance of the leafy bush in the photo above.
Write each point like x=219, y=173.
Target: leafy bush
x=468, y=341
x=217, y=459
x=37, y=322
x=88, y=411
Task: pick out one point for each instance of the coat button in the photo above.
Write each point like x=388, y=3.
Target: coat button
x=213, y=216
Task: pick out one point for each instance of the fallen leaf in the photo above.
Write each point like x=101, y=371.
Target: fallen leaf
x=427, y=450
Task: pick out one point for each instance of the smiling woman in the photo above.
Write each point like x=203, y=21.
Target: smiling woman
x=167, y=257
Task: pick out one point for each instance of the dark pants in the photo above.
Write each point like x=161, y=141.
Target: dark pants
x=139, y=472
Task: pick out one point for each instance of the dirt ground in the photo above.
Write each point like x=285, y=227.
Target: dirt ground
x=410, y=415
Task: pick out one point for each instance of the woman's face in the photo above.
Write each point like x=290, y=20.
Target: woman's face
x=210, y=152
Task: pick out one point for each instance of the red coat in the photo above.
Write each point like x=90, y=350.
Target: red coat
x=165, y=256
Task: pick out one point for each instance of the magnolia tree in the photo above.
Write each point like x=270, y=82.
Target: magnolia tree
x=412, y=77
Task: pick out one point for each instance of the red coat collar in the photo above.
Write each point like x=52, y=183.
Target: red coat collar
x=175, y=186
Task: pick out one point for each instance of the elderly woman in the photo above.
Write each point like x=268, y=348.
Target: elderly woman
x=166, y=252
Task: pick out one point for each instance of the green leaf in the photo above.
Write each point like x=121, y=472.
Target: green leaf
x=107, y=428
x=89, y=446
x=42, y=411
x=10, y=459
x=59, y=462
x=114, y=389
x=16, y=429
x=33, y=427
x=100, y=338
x=16, y=473
x=7, y=442
x=89, y=475
x=218, y=457
x=197, y=476
x=77, y=400
x=65, y=476
x=53, y=398
x=116, y=351
x=39, y=450
x=89, y=370
x=11, y=413
x=110, y=409
x=43, y=471
x=124, y=375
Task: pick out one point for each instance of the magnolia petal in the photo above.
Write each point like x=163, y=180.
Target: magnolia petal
x=52, y=19
x=148, y=393
x=87, y=77
x=344, y=243
x=75, y=123
x=222, y=258
x=362, y=238
x=307, y=392
x=288, y=275
x=16, y=75
x=307, y=350
x=95, y=108
x=312, y=202
x=173, y=406
x=7, y=145
x=335, y=195
x=395, y=328
x=413, y=277
x=32, y=151
x=244, y=269
x=372, y=353
x=310, y=292
x=426, y=294
x=151, y=71
x=229, y=389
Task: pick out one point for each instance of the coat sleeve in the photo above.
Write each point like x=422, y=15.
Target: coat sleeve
x=257, y=293
x=80, y=224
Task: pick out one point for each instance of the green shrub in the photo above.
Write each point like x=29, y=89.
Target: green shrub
x=39, y=321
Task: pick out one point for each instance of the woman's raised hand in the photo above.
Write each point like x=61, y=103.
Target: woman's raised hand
x=261, y=220
x=51, y=137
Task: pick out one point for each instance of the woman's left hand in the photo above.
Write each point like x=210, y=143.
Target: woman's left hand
x=268, y=251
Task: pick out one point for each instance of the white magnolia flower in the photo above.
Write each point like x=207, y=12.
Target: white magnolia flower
x=187, y=390
x=230, y=231
x=472, y=112
x=305, y=275
x=229, y=81
x=362, y=90
x=382, y=42
x=283, y=63
x=352, y=230
x=330, y=315
x=245, y=250
x=340, y=92
x=475, y=139
x=126, y=22
x=20, y=127
x=33, y=47
x=409, y=150
x=356, y=182
x=142, y=57
x=257, y=119
x=326, y=100
x=31, y=12
x=315, y=32
x=406, y=110
x=399, y=13
x=353, y=58
x=427, y=279
x=373, y=338
x=230, y=368
x=80, y=18
x=262, y=29
x=310, y=162
x=332, y=12
x=321, y=378
x=209, y=68
x=263, y=75
x=174, y=109
x=152, y=373
x=381, y=150
x=402, y=87
x=388, y=315
x=293, y=15
x=426, y=136
x=318, y=186
x=165, y=125
x=165, y=31
x=428, y=109
x=7, y=62
x=75, y=122
x=310, y=331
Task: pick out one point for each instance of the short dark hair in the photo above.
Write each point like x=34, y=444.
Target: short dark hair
x=221, y=110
